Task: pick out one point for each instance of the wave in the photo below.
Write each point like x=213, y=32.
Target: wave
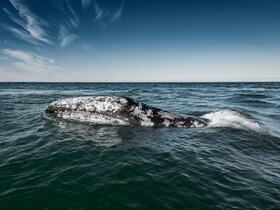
x=233, y=119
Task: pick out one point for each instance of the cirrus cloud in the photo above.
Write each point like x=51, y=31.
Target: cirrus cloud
x=30, y=61
x=28, y=22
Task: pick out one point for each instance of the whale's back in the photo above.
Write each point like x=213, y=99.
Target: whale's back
x=117, y=110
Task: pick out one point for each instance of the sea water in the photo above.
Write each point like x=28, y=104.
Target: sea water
x=233, y=163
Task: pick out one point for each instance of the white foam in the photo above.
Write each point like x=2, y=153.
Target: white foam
x=230, y=118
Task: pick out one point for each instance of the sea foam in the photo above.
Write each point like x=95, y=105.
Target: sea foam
x=233, y=119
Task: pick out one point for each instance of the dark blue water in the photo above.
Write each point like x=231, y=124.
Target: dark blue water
x=53, y=164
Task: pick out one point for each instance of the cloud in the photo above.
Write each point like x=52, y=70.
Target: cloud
x=29, y=22
x=118, y=13
x=98, y=11
x=30, y=61
x=106, y=16
x=13, y=17
x=29, y=27
x=86, y=47
x=86, y=3
x=65, y=36
x=19, y=33
x=74, y=20
x=68, y=25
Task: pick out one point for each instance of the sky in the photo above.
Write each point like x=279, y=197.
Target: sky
x=139, y=40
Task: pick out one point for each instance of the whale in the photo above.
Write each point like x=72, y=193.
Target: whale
x=118, y=110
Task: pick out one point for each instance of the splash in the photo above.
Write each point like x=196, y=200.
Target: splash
x=233, y=119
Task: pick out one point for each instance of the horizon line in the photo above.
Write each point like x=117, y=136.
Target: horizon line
x=167, y=82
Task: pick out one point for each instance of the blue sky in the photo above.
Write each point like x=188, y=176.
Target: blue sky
x=139, y=40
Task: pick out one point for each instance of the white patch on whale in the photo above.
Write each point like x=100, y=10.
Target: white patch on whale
x=166, y=115
x=144, y=117
x=96, y=118
x=87, y=103
x=166, y=122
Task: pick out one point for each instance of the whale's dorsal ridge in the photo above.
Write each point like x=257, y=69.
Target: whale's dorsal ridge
x=118, y=110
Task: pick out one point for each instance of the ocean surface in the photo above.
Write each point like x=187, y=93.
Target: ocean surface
x=234, y=163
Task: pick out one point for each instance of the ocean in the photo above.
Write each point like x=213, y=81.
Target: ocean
x=234, y=163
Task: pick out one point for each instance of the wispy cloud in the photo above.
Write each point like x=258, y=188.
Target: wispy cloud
x=19, y=33
x=30, y=61
x=32, y=24
x=118, y=13
x=86, y=47
x=32, y=28
x=106, y=16
x=65, y=36
x=98, y=11
x=86, y=3
x=13, y=17
x=73, y=19
x=68, y=25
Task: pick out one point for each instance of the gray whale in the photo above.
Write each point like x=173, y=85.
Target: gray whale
x=117, y=110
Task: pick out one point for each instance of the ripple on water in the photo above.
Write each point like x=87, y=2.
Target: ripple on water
x=83, y=166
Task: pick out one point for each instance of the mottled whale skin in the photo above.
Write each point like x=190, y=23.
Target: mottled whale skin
x=117, y=110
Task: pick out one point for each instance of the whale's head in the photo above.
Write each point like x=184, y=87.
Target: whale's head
x=57, y=107
x=92, y=109
x=52, y=109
